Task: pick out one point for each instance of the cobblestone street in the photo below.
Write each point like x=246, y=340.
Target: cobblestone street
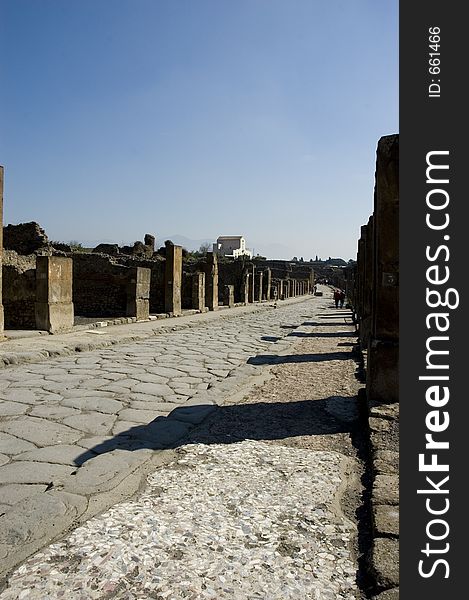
x=227, y=450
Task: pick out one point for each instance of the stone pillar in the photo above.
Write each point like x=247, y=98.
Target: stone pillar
x=258, y=286
x=291, y=291
x=383, y=346
x=173, y=279
x=54, y=308
x=268, y=284
x=245, y=288
x=138, y=293
x=198, y=291
x=1, y=251
x=228, y=296
x=211, y=281
x=252, y=285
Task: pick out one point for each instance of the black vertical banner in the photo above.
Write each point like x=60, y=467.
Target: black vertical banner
x=434, y=403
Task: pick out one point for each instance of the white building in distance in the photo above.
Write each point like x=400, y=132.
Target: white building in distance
x=231, y=246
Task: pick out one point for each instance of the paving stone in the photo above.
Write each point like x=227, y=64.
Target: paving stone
x=33, y=472
x=192, y=414
x=8, y=408
x=39, y=431
x=141, y=416
x=53, y=412
x=18, y=395
x=124, y=427
x=87, y=394
x=94, y=403
x=9, y=444
x=153, y=389
x=15, y=492
x=386, y=520
x=60, y=454
x=385, y=562
x=34, y=521
x=4, y=459
x=165, y=372
x=103, y=472
x=162, y=433
x=385, y=489
x=95, y=423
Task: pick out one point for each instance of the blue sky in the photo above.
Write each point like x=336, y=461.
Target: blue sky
x=197, y=117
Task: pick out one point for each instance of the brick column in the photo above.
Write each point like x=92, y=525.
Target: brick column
x=173, y=279
x=198, y=291
x=54, y=308
x=211, y=281
x=138, y=293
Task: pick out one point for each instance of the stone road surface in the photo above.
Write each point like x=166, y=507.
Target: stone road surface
x=79, y=433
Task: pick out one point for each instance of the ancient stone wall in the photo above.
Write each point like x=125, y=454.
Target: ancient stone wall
x=25, y=238
x=19, y=290
x=99, y=286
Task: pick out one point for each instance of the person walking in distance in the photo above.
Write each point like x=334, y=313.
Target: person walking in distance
x=336, y=297
x=341, y=298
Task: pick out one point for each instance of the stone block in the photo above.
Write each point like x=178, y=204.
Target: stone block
x=198, y=291
x=382, y=378
x=386, y=490
x=54, y=317
x=228, y=296
x=138, y=293
x=385, y=562
x=53, y=279
x=386, y=520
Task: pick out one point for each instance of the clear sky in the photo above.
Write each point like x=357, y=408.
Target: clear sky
x=197, y=117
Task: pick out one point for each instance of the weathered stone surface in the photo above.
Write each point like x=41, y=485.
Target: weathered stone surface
x=103, y=472
x=34, y=521
x=386, y=489
x=40, y=431
x=53, y=412
x=4, y=459
x=60, y=454
x=54, y=308
x=385, y=562
x=15, y=492
x=153, y=389
x=386, y=462
x=8, y=409
x=9, y=444
x=34, y=472
x=192, y=414
x=392, y=594
x=386, y=520
x=141, y=416
x=138, y=293
x=386, y=411
x=95, y=403
x=95, y=423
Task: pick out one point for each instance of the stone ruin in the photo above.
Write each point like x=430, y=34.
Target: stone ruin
x=48, y=285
